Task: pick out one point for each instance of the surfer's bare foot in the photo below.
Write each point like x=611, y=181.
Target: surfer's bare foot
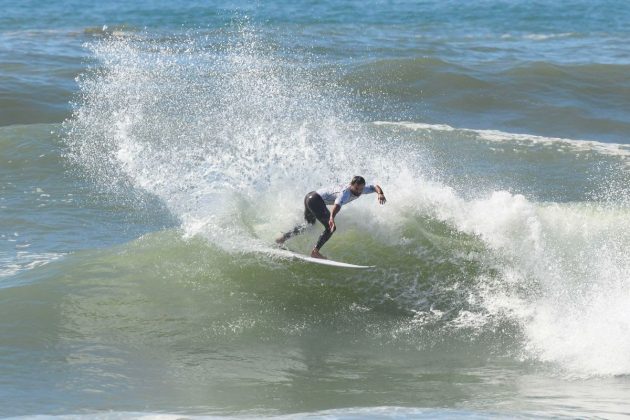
x=315, y=254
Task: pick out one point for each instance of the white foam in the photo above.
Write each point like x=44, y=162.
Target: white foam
x=11, y=264
x=565, y=275
x=539, y=37
x=615, y=149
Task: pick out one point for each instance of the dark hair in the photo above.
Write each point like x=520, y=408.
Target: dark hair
x=358, y=180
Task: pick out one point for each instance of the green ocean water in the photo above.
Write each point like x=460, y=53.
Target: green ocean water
x=151, y=152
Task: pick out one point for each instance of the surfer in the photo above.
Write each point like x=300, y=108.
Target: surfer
x=315, y=209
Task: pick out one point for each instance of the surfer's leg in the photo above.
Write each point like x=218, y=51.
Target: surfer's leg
x=317, y=206
x=308, y=216
x=295, y=231
x=325, y=236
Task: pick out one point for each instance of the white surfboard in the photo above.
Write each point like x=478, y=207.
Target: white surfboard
x=322, y=261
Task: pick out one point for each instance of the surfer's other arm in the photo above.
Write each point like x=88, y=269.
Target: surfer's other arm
x=381, y=194
x=331, y=222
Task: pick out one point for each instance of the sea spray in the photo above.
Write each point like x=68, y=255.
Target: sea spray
x=231, y=136
x=209, y=129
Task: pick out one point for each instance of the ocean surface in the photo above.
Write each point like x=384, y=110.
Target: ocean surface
x=151, y=151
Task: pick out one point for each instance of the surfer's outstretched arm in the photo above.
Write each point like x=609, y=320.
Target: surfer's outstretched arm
x=381, y=194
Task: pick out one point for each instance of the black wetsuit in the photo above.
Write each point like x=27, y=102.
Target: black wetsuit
x=314, y=209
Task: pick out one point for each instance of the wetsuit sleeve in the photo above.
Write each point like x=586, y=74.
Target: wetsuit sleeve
x=343, y=197
x=369, y=189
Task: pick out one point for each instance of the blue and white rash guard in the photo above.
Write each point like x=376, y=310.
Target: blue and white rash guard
x=341, y=194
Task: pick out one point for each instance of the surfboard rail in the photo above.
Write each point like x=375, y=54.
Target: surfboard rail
x=321, y=261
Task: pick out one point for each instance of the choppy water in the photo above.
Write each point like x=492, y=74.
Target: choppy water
x=150, y=153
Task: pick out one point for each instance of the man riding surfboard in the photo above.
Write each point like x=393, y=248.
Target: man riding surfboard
x=315, y=208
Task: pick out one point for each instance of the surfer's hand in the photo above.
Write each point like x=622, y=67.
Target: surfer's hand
x=331, y=225
x=382, y=199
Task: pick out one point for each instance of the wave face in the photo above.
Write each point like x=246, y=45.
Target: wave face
x=230, y=137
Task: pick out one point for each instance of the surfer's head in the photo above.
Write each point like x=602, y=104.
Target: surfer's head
x=357, y=184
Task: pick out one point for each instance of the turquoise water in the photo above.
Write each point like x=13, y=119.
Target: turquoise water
x=150, y=152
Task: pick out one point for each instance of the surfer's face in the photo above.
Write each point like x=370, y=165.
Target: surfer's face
x=357, y=189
